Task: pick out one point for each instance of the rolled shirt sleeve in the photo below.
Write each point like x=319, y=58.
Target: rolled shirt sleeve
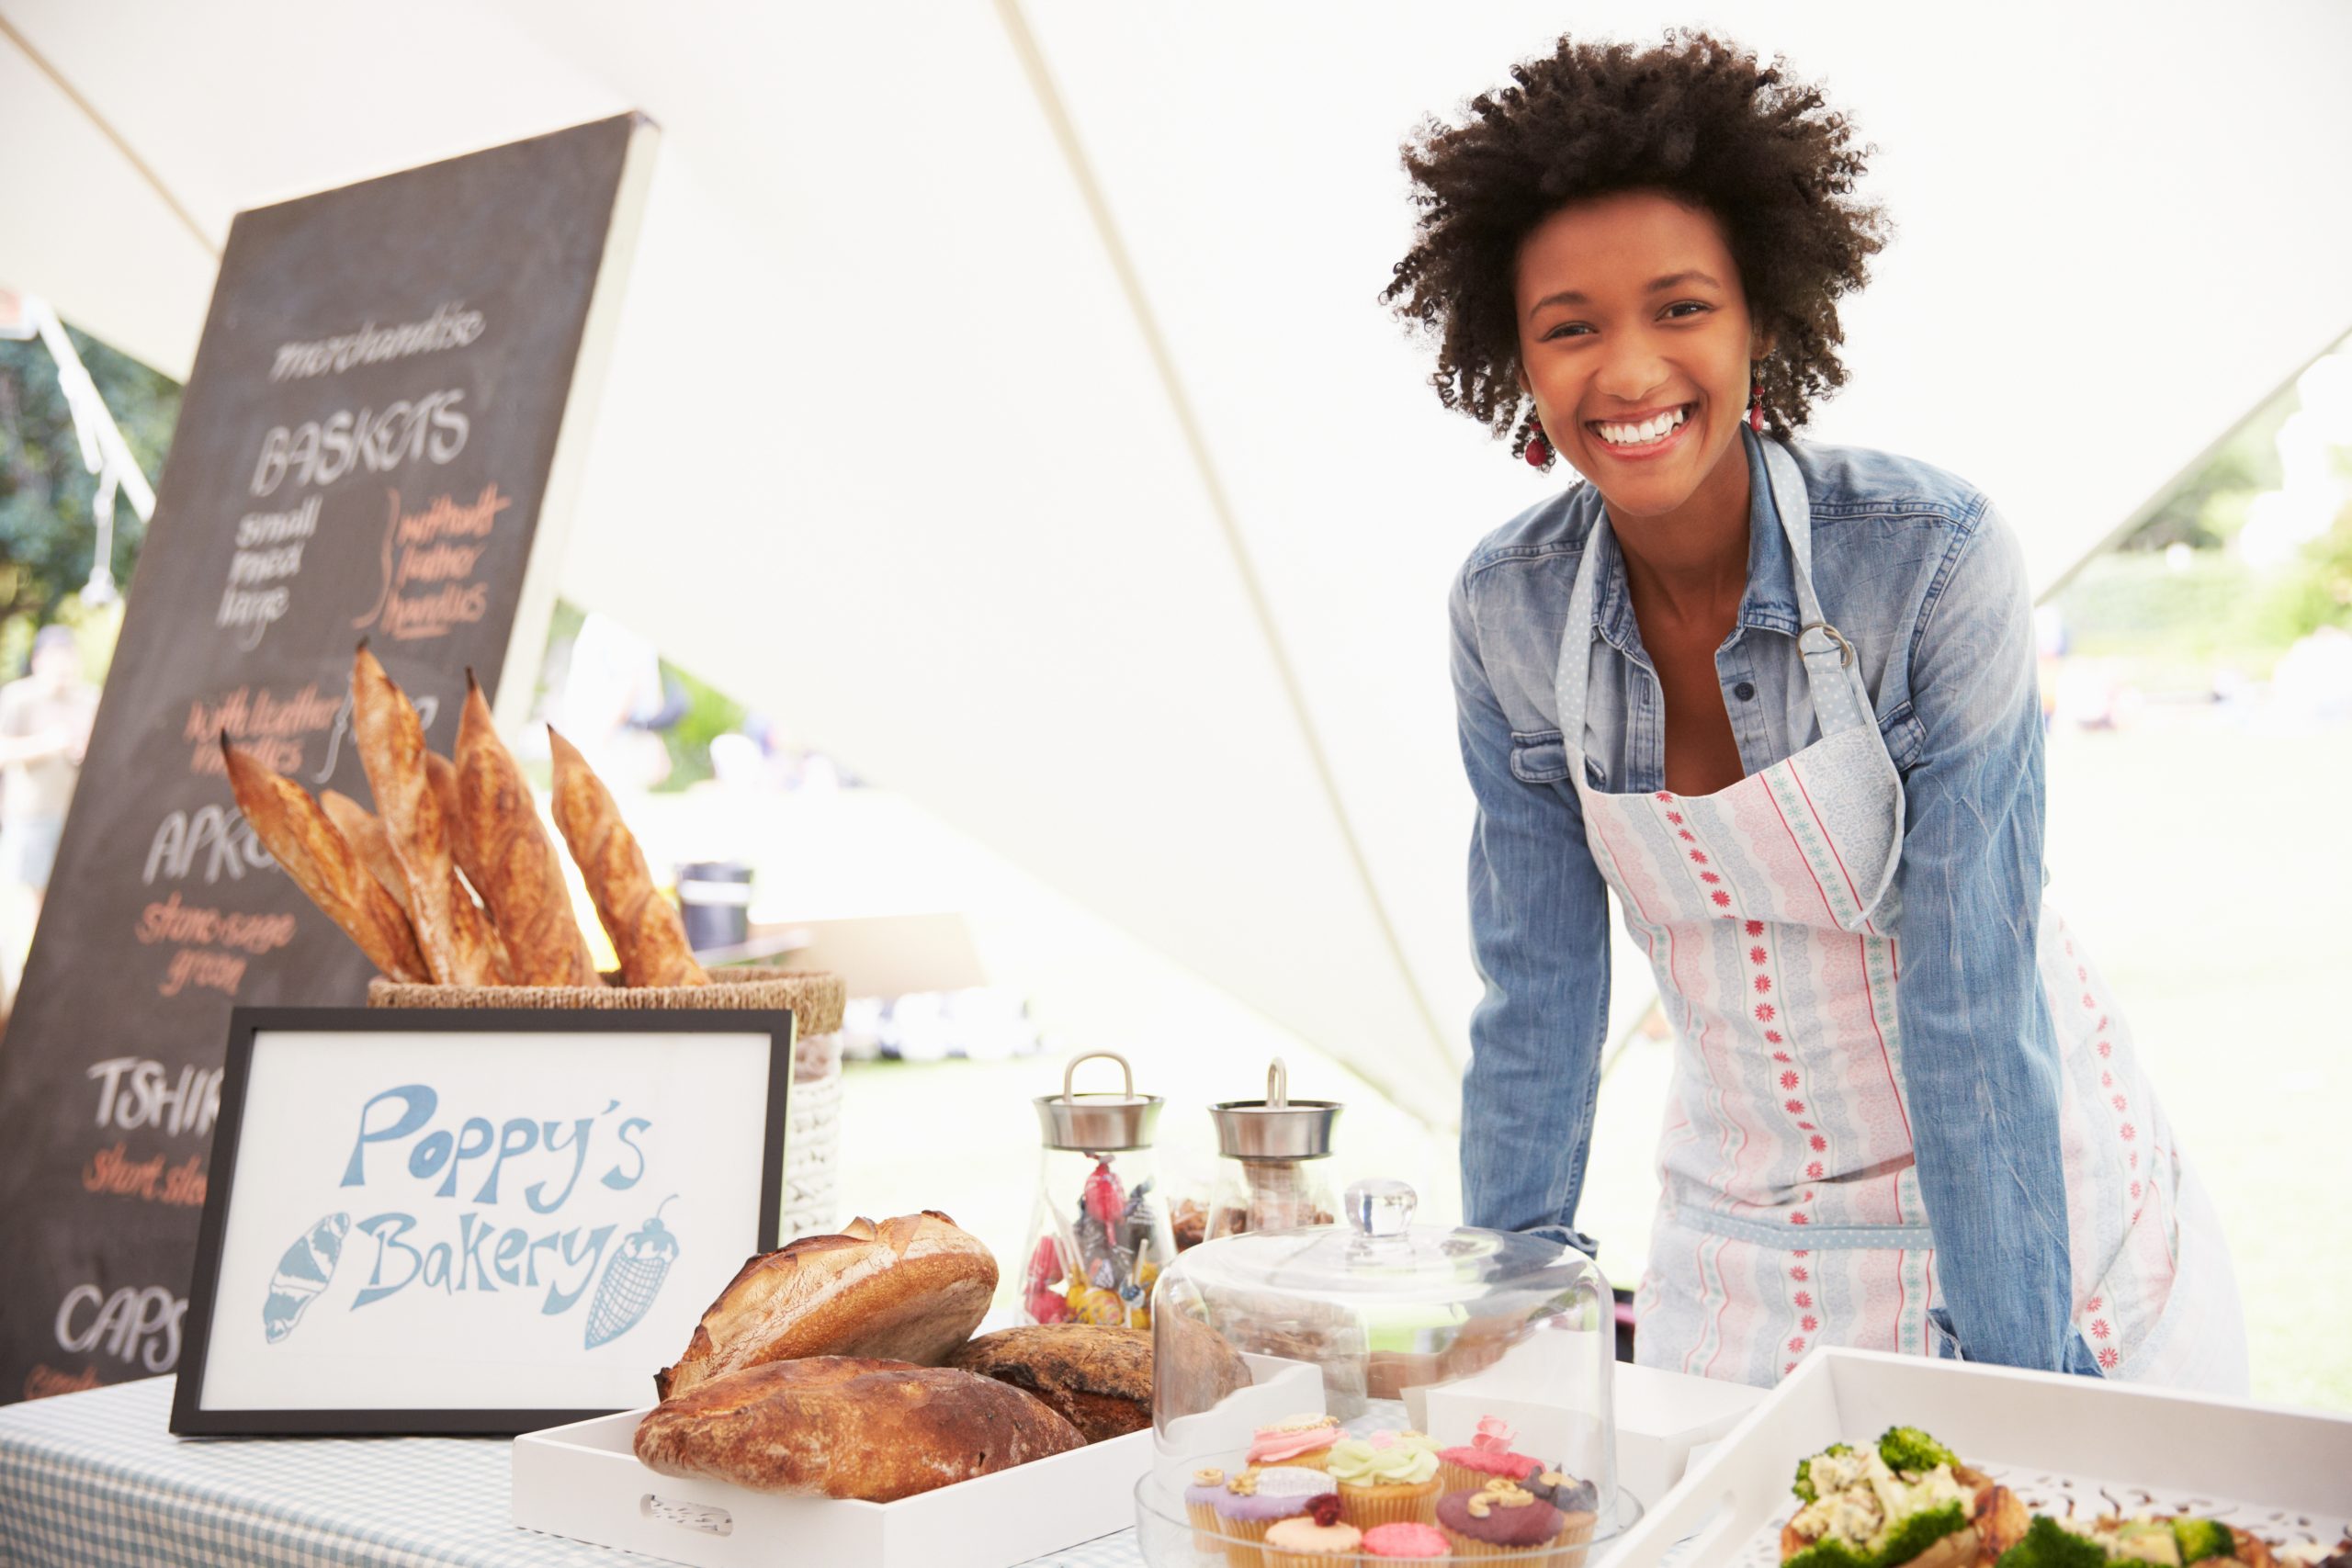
x=1980, y=1055
x=1540, y=938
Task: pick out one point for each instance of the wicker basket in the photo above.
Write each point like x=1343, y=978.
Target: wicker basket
x=812, y=1147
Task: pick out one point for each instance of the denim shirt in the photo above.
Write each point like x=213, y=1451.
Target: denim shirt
x=1926, y=580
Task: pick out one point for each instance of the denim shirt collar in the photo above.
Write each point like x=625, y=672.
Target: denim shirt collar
x=1767, y=605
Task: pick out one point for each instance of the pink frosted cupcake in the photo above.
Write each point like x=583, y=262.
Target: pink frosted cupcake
x=1406, y=1543
x=1304, y=1441
x=1486, y=1457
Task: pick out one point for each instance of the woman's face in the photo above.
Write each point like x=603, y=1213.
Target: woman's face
x=1630, y=307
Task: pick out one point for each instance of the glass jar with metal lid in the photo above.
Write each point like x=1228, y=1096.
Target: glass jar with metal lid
x=1437, y=1375
x=1269, y=1179
x=1099, y=1236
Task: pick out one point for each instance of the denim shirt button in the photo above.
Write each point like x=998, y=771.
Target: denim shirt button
x=1745, y=691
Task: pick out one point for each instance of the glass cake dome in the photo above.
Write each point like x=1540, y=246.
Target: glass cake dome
x=1382, y=1372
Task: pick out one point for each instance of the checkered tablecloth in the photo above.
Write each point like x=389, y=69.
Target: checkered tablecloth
x=95, y=1481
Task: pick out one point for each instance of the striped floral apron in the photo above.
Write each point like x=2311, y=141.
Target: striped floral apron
x=1790, y=1213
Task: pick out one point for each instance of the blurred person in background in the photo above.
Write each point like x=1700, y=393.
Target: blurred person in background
x=44, y=730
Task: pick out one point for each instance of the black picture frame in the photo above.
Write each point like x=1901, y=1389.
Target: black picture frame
x=190, y=1417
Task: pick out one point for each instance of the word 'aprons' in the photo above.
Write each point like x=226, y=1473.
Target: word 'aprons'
x=1791, y=1214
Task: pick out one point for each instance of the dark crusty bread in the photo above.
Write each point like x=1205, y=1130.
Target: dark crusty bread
x=911, y=1288
x=1097, y=1379
x=850, y=1426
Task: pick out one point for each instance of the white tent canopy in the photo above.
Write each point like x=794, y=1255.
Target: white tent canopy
x=1002, y=396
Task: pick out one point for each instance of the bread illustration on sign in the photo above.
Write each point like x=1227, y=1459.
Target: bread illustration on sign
x=452, y=879
x=856, y=1427
x=911, y=1289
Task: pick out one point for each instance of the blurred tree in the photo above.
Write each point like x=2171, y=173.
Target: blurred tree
x=46, y=533
x=2210, y=505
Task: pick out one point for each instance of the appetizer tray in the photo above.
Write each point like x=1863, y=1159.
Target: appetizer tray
x=2069, y=1447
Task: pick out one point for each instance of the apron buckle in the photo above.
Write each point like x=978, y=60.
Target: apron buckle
x=1845, y=649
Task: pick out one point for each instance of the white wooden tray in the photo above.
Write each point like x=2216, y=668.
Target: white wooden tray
x=583, y=1480
x=2066, y=1445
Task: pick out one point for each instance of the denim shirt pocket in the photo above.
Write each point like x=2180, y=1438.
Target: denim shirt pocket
x=1905, y=735
x=1538, y=756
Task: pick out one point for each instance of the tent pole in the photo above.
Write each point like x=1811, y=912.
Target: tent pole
x=106, y=129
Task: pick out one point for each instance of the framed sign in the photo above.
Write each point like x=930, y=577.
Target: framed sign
x=461, y=1220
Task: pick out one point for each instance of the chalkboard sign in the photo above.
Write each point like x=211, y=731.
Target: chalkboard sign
x=393, y=379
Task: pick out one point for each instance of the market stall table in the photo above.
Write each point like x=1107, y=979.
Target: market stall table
x=96, y=1478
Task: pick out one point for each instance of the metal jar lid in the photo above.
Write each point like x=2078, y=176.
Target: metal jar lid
x=1098, y=1123
x=1276, y=1127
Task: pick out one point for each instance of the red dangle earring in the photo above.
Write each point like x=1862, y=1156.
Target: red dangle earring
x=1535, y=445
x=1539, y=450
x=1755, y=409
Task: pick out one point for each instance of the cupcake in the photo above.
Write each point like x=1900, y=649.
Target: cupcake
x=1304, y=1441
x=1485, y=1458
x=1503, y=1519
x=1317, y=1538
x=1258, y=1498
x=1200, y=1506
x=1387, y=1478
x=1578, y=1502
x=1563, y=1491
x=1406, y=1542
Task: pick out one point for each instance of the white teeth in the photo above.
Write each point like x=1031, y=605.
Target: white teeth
x=1644, y=434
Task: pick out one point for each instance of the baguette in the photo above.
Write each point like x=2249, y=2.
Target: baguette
x=362, y=830
x=441, y=774
x=509, y=858
x=450, y=929
x=304, y=843
x=647, y=934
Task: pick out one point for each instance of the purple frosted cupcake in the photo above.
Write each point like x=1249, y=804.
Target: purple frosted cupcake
x=1255, y=1499
x=1200, y=1506
x=1501, y=1520
x=1563, y=1491
x=1578, y=1502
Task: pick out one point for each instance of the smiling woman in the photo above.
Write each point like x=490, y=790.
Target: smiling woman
x=1779, y=697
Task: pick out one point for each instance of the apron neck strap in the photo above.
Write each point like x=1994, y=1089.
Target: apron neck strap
x=1840, y=701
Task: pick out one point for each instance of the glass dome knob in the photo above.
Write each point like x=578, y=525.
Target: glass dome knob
x=1379, y=1206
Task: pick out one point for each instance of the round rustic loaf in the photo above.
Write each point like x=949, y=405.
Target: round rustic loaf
x=850, y=1426
x=911, y=1288
x=1097, y=1379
